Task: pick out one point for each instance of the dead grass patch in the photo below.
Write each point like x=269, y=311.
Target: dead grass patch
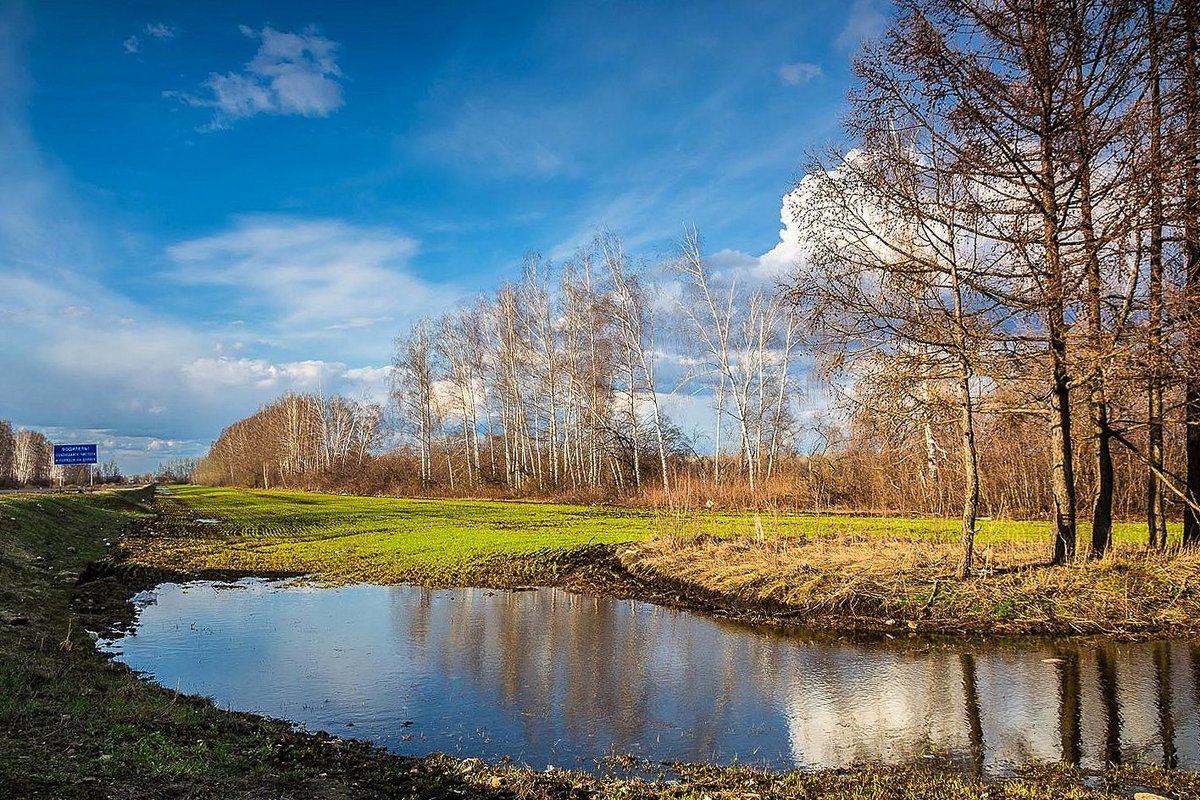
x=881, y=582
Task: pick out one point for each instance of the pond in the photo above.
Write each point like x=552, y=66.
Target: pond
x=547, y=677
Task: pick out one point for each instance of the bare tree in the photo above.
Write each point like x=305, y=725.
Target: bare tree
x=413, y=391
x=7, y=448
x=636, y=329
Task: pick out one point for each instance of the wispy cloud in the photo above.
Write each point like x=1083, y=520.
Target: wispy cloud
x=799, y=73
x=159, y=30
x=867, y=20
x=498, y=137
x=292, y=74
x=156, y=30
x=314, y=279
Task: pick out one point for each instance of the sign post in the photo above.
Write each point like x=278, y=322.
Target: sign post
x=66, y=454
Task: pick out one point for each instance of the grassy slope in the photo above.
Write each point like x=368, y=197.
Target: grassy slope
x=73, y=724
x=892, y=583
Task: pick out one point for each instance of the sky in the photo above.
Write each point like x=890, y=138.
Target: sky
x=205, y=205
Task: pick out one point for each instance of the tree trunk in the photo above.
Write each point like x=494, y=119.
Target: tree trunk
x=1062, y=464
x=970, y=472
x=1191, y=231
x=1156, y=522
x=1102, y=516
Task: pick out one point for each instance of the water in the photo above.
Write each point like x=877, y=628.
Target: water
x=552, y=678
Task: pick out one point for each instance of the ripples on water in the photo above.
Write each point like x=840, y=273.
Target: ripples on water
x=548, y=677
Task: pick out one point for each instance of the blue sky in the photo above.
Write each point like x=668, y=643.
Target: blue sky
x=207, y=204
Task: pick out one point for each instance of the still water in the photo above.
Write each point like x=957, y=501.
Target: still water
x=552, y=678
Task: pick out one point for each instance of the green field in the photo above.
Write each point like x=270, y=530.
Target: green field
x=346, y=538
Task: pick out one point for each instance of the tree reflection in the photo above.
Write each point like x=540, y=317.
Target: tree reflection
x=1069, y=706
x=1166, y=722
x=1106, y=676
x=570, y=674
x=974, y=718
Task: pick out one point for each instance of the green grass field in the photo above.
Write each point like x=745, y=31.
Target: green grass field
x=345, y=538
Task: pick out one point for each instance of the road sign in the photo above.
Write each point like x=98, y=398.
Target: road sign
x=74, y=454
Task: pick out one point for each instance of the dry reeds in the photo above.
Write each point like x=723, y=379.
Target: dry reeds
x=877, y=582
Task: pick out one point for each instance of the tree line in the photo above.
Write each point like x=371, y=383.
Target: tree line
x=299, y=440
x=1019, y=226
x=27, y=459
x=1000, y=278
x=558, y=381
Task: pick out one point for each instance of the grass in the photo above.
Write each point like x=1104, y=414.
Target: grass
x=349, y=539
x=75, y=725
x=352, y=539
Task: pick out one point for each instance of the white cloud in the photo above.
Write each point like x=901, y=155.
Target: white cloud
x=372, y=382
x=291, y=74
x=314, y=279
x=266, y=379
x=131, y=45
x=790, y=251
x=159, y=30
x=799, y=73
x=867, y=19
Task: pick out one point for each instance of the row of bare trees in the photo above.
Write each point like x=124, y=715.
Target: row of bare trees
x=562, y=380
x=26, y=457
x=1019, y=225
x=299, y=440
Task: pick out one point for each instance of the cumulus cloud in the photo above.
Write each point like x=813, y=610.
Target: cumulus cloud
x=131, y=45
x=799, y=73
x=266, y=379
x=261, y=373
x=292, y=74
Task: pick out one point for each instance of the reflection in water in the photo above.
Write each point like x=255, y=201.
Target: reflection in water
x=1106, y=676
x=974, y=716
x=1070, y=710
x=549, y=677
x=1166, y=725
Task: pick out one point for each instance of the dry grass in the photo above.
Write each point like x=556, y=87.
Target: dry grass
x=897, y=582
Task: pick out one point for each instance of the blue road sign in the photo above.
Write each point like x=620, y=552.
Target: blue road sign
x=74, y=454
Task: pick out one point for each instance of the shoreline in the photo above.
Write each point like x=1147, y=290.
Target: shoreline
x=814, y=584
